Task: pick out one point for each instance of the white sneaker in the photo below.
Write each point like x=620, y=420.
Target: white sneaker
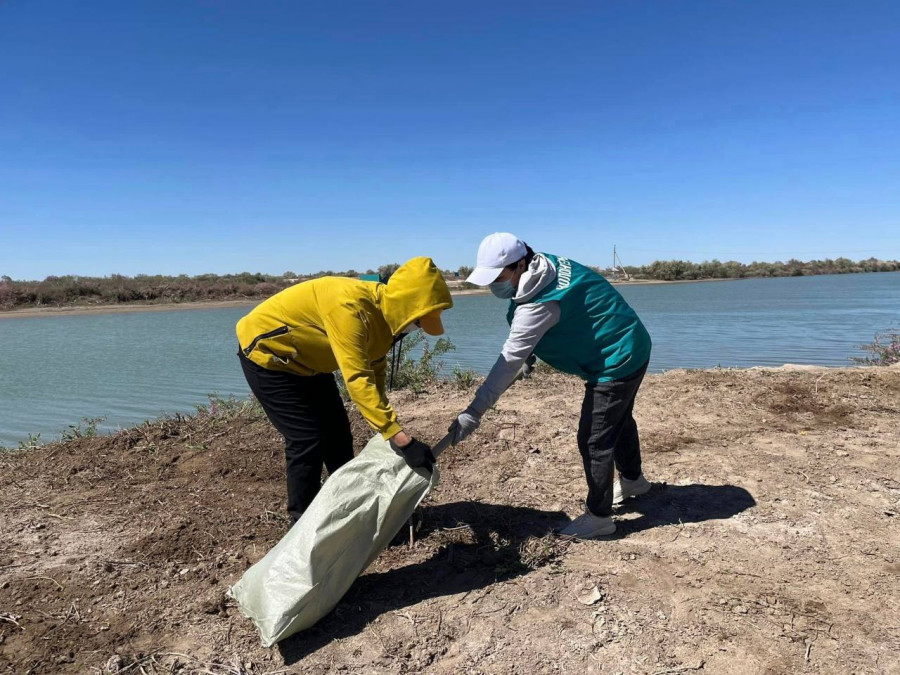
x=625, y=488
x=588, y=526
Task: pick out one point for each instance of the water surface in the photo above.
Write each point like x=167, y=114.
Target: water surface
x=129, y=367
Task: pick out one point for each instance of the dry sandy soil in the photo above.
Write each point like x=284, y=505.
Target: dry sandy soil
x=769, y=543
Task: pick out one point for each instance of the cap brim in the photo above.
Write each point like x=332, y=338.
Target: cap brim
x=431, y=323
x=484, y=276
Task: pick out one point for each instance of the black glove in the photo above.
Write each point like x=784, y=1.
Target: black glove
x=528, y=368
x=416, y=453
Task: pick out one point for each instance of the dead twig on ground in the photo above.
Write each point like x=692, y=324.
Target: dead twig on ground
x=215, y=436
x=56, y=515
x=678, y=534
x=378, y=635
x=59, y=585
x=680, y=669
x=743, y=574
x=409, y=618
x=816, y=388
x=208, y=664
x=11, y=618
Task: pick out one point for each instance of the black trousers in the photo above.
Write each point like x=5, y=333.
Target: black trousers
x=309, y=413
x=608, y=436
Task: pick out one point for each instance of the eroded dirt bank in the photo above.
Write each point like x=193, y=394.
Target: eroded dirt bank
x=769, y=544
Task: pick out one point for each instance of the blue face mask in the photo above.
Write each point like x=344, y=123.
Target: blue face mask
x=503, y=289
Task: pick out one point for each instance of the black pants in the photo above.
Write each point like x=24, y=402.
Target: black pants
x=608, y=435
x=309, y=413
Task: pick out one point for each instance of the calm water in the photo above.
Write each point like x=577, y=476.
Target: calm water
x=55, y=370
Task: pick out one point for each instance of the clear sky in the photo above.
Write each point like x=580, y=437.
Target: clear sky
x=224, y=136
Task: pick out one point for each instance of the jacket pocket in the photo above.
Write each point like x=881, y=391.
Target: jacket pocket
x=282, y=330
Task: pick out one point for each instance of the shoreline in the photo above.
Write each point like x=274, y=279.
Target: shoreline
x=794, y=368
x=80, y=310
x=127, y=308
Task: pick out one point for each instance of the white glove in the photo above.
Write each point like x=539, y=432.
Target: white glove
x=464, y=425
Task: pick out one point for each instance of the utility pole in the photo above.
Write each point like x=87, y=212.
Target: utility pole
x=617, y=266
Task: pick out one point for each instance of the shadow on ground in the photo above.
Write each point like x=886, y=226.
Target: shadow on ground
x=493, y=554
x=680, y=504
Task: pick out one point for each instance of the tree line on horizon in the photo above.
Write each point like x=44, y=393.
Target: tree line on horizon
x=682, y=270
x=70, y=290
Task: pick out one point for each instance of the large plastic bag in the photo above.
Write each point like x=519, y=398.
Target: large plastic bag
x=353, y=518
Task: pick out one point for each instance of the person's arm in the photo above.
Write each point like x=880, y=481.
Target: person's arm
x=530, y=322
x=379, y=367
x=401, y=439
x=348, y=335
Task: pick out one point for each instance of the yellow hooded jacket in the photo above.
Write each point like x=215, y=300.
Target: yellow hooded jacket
x=337, y=323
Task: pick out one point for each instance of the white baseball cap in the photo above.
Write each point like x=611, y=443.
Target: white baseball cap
x=496, y=252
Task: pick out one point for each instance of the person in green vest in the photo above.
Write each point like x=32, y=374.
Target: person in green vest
x=571, y=318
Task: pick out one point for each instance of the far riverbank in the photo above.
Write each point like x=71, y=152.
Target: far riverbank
x=122, y=308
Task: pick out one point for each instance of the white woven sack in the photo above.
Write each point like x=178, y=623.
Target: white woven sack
x=353, y=518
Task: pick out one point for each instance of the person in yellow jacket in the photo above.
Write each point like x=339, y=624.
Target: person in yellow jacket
x=291, y=344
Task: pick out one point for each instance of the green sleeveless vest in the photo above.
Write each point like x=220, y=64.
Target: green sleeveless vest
x=598, y=337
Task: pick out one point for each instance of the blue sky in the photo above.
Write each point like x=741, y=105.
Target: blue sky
x=219, y=136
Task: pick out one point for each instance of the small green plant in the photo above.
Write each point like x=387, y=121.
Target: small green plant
x=414, y=373
x=33, y=441
x=464, y=378
x=417, y=374
x=87, y=428
x=230, y=407
x=885, y=349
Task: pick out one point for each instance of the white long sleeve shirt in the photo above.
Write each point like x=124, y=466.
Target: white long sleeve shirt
x=531, y=320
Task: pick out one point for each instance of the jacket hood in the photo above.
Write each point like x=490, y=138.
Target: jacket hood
x=417, y=288
x=537, y=277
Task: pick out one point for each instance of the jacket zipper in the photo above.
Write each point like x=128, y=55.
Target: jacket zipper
x=272, y=333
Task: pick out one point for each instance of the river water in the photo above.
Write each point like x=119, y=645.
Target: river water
x=128, y=367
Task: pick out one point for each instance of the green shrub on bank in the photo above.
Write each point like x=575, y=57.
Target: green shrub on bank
x=417, y=373
x=70, y=290
x=464, y=378
x=86, y=428
x=228, y=408
x=118, y=289
x=683, y=270
x=33, y=441
x=885, y=350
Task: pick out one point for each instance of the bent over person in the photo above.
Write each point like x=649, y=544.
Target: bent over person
x=291, y=344
x=573, y=319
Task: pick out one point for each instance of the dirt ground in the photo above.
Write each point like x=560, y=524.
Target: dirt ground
x=769, y=543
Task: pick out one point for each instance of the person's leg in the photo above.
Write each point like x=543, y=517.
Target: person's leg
x=606, y=424
x=337, y=447
x=292, y=406
x=596, y=443
x=628, y=449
